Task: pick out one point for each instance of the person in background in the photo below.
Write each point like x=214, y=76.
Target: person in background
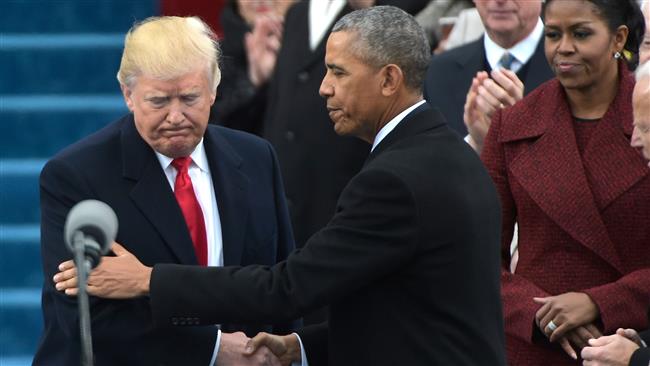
x=184, y=192
x=511, y=52
x=430, y=19
x=644, y=49
x=252, y=38
x=467, y=28
x=565, y=171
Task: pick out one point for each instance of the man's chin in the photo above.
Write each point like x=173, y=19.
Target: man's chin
x=177, y=150
x=339, y=129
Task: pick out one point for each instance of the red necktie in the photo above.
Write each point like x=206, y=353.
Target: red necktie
x=186, y=198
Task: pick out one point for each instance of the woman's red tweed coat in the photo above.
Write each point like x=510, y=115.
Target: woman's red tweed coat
x=584, y=223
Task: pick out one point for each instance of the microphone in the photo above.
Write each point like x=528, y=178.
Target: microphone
x=92, y=225
x=89, y=230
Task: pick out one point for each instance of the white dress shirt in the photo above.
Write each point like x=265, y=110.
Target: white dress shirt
x=199, y=171
x=322, y=14
x=522, y=51
x=390, y=126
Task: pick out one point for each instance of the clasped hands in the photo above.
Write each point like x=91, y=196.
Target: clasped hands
x=568, y=319
x=123, y=276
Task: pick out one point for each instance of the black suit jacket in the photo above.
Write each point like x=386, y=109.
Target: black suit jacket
x=641, y=357
x=450, y=75
x=409, y=264
x=116, y=166
x=316, y=163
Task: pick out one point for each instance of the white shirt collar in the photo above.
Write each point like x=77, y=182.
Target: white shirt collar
x=390, y=126
x=322, y=14
x=199, y=158
x=522, y=51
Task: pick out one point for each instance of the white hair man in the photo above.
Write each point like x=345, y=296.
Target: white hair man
x=184, y=192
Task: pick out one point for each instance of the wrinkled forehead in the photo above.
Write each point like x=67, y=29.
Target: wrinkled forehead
x=641, y=101
x=642, y=89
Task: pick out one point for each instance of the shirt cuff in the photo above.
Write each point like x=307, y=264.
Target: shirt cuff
x=303, y=355
x=213, y=360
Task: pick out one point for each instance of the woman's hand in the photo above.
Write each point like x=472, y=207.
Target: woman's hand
x=563, y=313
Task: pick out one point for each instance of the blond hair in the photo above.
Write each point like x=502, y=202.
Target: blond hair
x=168, y=47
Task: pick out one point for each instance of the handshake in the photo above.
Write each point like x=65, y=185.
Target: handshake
x=263, y=349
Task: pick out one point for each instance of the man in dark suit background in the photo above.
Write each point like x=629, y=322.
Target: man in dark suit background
x=168, y=75
x=512, y=27
x=409, y=263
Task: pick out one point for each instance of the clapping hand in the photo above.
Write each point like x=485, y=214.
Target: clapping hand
x=485, y=96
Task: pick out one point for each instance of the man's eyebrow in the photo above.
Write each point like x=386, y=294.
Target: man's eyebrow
x=156, y=96
x=334, y=67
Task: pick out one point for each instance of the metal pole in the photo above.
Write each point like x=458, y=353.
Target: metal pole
x=83, y=269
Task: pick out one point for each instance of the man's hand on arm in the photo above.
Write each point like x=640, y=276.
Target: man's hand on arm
x=119, y=277
x=286, y=348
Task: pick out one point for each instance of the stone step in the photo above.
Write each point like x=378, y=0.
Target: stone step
x=38, y=126
x=46, y=16
x=20, y=257
x=21, y=322
x=60, y=63
x=19, y=195
x=16, y=361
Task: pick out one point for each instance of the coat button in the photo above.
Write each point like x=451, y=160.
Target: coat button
x=303, y=76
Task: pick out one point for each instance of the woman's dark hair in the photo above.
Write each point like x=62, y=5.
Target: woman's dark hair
x=617, y=13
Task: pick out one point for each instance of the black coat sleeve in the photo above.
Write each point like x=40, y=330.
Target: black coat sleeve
x=373, y=232
x=315, y=341
x=641, y=357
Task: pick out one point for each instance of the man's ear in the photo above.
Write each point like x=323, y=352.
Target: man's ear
x=392, y=79
x=126, y=93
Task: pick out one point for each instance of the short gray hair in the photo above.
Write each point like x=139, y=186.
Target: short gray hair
x=388, y=35
x=643, y=71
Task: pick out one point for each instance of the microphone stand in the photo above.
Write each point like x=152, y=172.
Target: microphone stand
x=83, y=269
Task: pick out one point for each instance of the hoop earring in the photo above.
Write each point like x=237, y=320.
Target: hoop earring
x=617, y=55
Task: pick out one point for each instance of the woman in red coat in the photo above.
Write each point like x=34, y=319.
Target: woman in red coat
x=580, y=194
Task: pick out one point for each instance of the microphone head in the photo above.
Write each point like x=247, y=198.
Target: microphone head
x=93, y=218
